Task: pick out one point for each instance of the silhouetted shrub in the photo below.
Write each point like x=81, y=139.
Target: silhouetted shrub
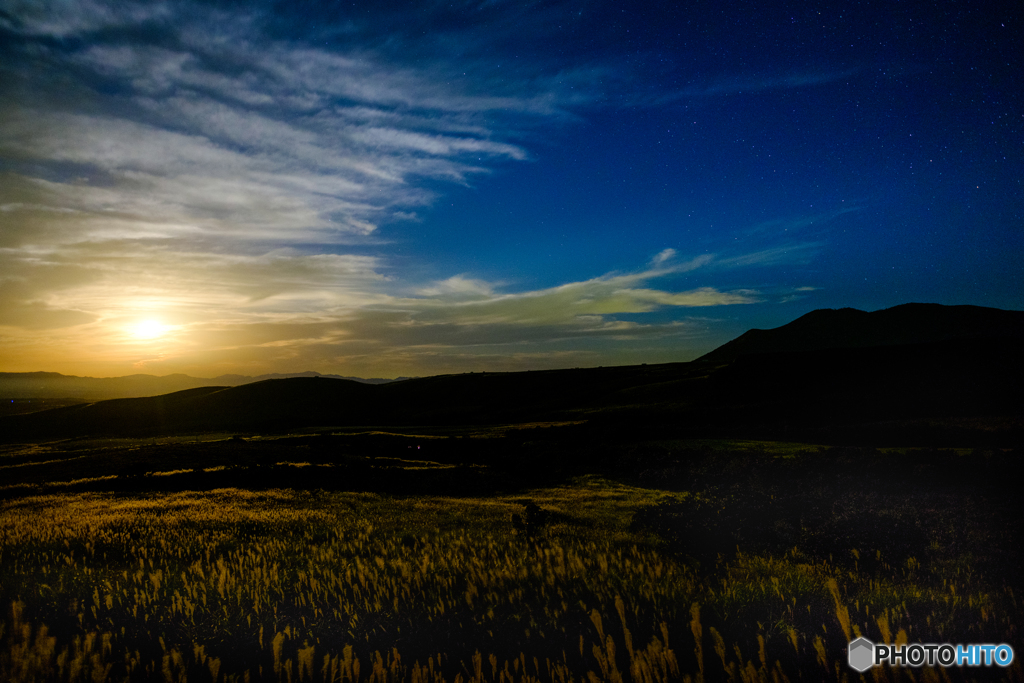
x=532, y=519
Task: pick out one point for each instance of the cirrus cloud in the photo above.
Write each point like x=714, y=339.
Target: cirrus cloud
x=175, y=161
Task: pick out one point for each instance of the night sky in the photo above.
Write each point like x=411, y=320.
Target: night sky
x=368, y=189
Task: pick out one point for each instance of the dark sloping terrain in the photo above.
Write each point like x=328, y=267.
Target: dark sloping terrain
x=274, y=405
x=871, y=395
x=850, y=328
x=53, y=385
x=267, y=405
x=960, y=390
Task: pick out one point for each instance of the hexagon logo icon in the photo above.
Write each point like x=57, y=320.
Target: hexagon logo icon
x=861, y=654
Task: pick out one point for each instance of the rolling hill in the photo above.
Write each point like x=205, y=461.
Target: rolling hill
x=38, y=385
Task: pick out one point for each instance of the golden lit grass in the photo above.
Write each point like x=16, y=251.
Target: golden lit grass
x=234, y=585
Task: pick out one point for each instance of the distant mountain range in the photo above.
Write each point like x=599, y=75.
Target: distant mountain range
x=915, y=373
x=20, y=385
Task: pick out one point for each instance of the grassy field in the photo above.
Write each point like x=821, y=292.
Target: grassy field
x=738, y=561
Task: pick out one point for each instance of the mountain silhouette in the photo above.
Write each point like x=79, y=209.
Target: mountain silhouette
x=851, y=328
x=827, y=375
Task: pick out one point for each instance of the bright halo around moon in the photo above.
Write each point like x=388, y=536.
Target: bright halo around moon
x=149, y=329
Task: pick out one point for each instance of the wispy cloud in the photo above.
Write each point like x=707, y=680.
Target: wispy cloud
x=663, y=256
x=792, y=240
x=790, y=253
x=175, y=161
x=464, y=323
x=190, y=148
x=287, y=307
x=186, y=163
x=732, y=85
x=603, y=296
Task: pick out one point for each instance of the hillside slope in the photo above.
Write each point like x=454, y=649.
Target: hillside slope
x=38, y=385
x=851, y=328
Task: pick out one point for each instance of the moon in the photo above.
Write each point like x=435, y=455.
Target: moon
x=149, y=329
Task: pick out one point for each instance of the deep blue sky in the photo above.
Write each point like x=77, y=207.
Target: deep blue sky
x=368, y=189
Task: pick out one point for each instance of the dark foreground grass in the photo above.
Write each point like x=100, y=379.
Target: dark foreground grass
x=712, y=565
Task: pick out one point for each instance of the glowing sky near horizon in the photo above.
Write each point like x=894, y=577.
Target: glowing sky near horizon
x=364, y=189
